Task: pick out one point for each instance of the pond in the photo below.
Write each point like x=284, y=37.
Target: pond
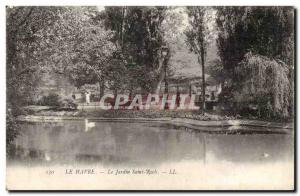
x=135, y=144
x=224, y=160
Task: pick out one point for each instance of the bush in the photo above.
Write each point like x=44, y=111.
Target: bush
x=57, y=102
x=50, y=100
x=68, y=104
x=11, y=131
x=264, y=83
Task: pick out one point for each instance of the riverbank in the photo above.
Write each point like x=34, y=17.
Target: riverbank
x=196, y=115
x=223, y=126
x=188, y=119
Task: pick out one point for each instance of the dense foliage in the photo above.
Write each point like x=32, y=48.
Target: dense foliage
x=79, y=47
x=264, y=82
x=50, y=100
x=267, y=31
x=25, y=51
x=12, y=128
x=268, y=34
x=138, y=32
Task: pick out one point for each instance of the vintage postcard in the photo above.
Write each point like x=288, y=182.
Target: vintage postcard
x=150, y=98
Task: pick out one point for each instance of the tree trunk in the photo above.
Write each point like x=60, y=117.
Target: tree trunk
x=203, y=79
x=122, y=28
x=161, y=77
x=102, y=86
x=130, y=94
x=165, y=79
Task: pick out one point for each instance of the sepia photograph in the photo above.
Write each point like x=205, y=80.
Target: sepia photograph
x=157, y=98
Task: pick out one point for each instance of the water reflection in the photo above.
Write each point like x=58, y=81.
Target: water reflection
x=136, y=144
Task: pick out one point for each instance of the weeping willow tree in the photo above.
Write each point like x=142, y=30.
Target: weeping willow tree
x=265, y=83
x=265, y=31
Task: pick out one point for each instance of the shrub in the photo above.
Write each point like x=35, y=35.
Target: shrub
x=11, y=131
x=68, y=104
x=265, y=83
x=50, y=100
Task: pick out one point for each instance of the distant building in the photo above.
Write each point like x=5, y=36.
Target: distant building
x=194, y=86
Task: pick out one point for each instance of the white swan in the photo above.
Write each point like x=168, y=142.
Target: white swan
x=88, y=125
x=266, y=155
x=47, y=157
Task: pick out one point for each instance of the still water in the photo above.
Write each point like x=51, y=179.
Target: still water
x=142, y=144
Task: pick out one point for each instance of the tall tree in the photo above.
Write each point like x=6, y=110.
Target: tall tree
x=264, y=82
x=87, y=55
x=197, y=39
x=267, y=31
x=24, y=51
x=138, y=32
x=260, y=38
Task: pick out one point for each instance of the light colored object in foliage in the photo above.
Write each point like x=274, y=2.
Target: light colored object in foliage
x=87, y=97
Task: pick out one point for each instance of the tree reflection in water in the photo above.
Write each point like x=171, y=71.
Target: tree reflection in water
x=141, y=144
